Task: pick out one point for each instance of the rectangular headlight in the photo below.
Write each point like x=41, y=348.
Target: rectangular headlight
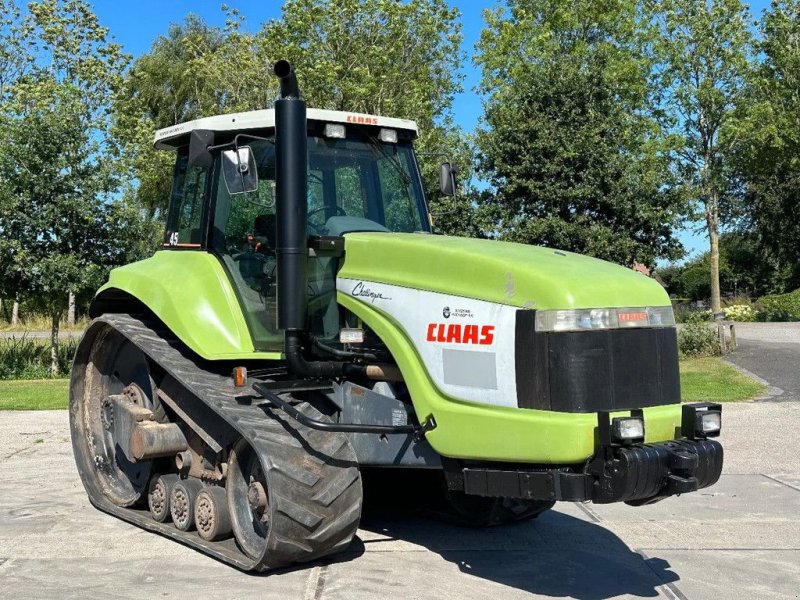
x=388, y=135
x=604, y=318
x=627, y=429
x=335, y=130
x=708, y=422
x=701, y=420
x=576, y=320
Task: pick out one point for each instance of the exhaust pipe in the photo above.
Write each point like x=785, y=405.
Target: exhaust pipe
x=291, y=182
x=291, y=174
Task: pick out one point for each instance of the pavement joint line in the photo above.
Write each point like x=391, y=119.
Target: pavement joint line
x=772, y=390
x=762, y=549
x=786, y=483
x=316, y=583
x=592, y=515
x=668, y=587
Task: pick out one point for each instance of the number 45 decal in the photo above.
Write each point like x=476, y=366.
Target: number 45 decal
x=172, y=240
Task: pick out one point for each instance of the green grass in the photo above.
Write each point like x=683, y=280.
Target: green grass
x=711, y=380
x=41, y=323
x=35, y=394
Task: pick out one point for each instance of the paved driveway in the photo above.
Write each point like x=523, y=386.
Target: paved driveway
x=772, y=352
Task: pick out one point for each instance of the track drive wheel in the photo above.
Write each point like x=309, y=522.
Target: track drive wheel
x=297, y=499
x=107, y=364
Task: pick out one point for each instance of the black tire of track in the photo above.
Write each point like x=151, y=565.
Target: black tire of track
x=315, y=485
x=315, y=497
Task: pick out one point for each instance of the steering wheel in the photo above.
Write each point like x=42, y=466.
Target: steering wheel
x=337, y=209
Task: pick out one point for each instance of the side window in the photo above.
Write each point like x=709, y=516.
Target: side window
x=399, y=202
x=185, y=222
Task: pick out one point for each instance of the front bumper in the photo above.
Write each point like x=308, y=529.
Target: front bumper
x=636, y=474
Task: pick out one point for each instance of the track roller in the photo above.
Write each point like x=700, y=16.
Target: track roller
x=211, y=514
x=182, y=502
x=159, y=494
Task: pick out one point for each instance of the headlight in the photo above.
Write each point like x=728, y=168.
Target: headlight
x=604, y=318
x=701, y=420
x=627, y=429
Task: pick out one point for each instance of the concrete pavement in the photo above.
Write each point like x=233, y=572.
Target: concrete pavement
x=738, y=539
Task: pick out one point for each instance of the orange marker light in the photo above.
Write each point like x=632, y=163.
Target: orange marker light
x=240, y=376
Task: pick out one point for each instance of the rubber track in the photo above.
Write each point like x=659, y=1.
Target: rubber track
x=315, y=486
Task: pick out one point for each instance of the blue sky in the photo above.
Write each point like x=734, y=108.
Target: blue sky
x=136, y=24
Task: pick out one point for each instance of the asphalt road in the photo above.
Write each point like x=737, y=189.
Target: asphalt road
x=772, y=352
x=737, y=539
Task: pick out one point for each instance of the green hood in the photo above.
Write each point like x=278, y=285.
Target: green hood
x=501, y=272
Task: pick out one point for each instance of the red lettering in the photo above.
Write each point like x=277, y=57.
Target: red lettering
x=431, y=327
x=639, y=316
x=470, y=334
x=454, y=333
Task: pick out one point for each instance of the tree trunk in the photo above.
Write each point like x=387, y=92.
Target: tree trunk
x=15, y=313
x=713, y=237
x=54, y=344
x=71, y=310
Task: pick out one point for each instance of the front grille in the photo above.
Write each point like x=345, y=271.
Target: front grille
x=588, y=371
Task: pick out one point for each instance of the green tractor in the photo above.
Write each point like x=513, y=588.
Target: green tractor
x=302, y=325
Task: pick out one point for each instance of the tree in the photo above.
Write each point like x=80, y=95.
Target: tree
x=376, y=56
x=768, y=150
x=704, y=52
x=573, y=160
x=56, y=182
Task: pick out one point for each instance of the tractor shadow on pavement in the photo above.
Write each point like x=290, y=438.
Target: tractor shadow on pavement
x=562, y=553
x=556, y=555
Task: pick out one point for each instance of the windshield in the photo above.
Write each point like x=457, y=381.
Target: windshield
x=361, y=184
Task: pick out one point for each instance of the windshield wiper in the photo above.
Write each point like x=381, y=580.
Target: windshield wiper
x=380, y=149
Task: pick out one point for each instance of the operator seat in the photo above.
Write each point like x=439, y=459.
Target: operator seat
x=265, y=234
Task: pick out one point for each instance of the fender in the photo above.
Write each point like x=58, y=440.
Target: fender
x=191, y=293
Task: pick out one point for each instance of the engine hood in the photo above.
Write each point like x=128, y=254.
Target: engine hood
x=501, y=272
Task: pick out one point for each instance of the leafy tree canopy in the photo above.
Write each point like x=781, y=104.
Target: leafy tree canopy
x=376, y=56
x=55, y=223
x=575, y=161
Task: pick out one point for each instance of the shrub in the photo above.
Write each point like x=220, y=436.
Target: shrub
x=690, y=314
x=696, y=338
x=26, y=358
x=741, y=313
x=779, y=307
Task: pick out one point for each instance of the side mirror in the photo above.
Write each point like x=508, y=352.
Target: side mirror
x=239, y=170
x=447, y=179
x=199, y=155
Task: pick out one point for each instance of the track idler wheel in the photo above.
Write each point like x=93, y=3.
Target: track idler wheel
x=211, y=514
x=182, y=503
x=159, y=494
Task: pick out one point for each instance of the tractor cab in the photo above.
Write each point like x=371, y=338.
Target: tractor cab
x=362, y=177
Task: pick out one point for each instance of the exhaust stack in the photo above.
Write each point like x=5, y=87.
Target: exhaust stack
x=291, y=200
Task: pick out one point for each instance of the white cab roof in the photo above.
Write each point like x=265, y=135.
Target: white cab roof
x=172, y=137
